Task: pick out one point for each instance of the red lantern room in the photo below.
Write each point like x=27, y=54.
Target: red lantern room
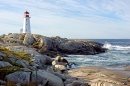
x=26, y=14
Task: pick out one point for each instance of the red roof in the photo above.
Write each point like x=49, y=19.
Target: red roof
x=26, y=12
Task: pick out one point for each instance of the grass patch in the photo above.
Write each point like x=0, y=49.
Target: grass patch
x=16, y=55
x=36, y=44
x=7, y=70
x=10, y=69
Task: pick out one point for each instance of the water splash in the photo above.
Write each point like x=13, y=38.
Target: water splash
x=107, y=45
x=115, y=47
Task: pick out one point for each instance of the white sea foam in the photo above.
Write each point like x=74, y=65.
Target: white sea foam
x=115, y=47
x=107, y=45
x=80, y=59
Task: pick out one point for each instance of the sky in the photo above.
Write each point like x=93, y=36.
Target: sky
x=79, y=19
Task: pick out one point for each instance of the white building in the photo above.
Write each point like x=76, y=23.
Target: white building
x=26, y=23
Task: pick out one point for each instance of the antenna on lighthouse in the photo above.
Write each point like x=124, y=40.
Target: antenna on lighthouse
x=26, y=23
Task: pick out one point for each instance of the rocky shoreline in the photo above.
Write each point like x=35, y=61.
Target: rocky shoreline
x=102, y=76
x=52, y=46
x=35, y=60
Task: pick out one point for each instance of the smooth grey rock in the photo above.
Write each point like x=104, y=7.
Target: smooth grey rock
x=25, y=62
x=37, y=59
x=43, y=75
x=60, y=75
x=68, y=81
x=2, y=54
x=36, y=77
x=20, y=62
x=17, y=48
x=28, y=39
x=75, y=47
x=33, y=68
x=23, y=49
x=25, y=69
x=4, y=64
x=33, y=63
x=50, y=70
x=19, y=77
x=12, y=59
x=45, y=43
x=48, y=59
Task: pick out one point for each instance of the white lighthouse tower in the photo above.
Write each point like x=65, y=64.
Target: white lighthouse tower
x=26, y=23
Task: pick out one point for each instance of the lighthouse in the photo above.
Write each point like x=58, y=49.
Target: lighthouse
x=26, y=23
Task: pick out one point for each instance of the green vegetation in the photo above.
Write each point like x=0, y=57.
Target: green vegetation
x=22, y=36
x=7, y=70
x=36, y=44
x=16, y=55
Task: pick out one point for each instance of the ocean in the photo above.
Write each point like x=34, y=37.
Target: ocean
x=118, y=54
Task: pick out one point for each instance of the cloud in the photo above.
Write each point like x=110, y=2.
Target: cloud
x=69, y=18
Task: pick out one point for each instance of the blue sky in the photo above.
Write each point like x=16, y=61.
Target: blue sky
x=81, y=19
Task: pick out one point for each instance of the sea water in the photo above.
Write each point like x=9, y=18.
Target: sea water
x=118, y=54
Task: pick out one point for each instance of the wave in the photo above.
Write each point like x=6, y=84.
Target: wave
x=115, y=47
x=121, y=47
x=107, y=45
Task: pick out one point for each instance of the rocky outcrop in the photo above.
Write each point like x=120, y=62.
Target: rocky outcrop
x=101, y=76
x=26, y=59
x=21, y=63
x=52, y=79
x=4, y=64
x=45, y=43
x=19, y=77
x=2, y=55
x=53, y=46
x=75, y=47
x=28, y=69
x=37, y=58
x=40, y=76
x=48, y=59
x=28, y=39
